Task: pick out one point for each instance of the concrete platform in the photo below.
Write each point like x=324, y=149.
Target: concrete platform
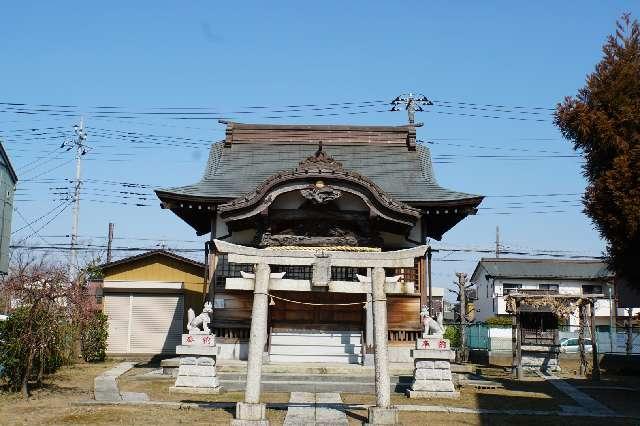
x=199, y=391
x=315, y=368
x=426, y=394
x=311, y=377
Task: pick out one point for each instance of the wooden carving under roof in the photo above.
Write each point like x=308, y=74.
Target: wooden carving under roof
x=320, y=179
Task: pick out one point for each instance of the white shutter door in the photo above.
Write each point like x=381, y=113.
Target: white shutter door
x=156, y=323
x=116, y=307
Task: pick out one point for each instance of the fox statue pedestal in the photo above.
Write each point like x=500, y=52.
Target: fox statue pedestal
x=432, y=375
x=197, y=368
x=432, y=357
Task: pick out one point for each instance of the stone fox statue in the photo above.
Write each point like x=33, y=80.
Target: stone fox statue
x=431, y=326
x=201, y=320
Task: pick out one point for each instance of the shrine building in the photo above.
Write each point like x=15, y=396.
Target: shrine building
x=325, y=189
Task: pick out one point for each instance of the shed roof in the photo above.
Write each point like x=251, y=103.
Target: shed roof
x=541, y=268
x=151, y=253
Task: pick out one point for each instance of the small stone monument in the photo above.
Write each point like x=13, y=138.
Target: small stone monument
x=432, y=358
x=197, y=369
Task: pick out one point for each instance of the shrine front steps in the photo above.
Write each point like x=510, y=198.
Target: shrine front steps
x=169, y=368
x=306, y=346
x=281, y=382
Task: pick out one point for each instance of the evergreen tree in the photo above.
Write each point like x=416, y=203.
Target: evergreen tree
x=603, y=122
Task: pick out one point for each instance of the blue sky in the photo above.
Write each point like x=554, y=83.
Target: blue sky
x=228, y=56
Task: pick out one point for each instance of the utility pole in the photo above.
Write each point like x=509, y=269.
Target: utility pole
x=462, y=296
x=109, y=241
x=78, y=144
x=612, y=332
x=462, y=278
x=497, y=241
x=412, y=102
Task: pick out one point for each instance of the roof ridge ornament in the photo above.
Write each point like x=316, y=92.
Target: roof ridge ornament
x=320, y=160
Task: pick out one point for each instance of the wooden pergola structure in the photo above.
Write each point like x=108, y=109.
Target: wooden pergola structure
x=561, y=305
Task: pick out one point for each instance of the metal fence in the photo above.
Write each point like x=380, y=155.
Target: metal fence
x=498, y=338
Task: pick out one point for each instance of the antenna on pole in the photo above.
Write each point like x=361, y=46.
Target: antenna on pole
x=413, y=102
x=81, y=150
x=497, y=241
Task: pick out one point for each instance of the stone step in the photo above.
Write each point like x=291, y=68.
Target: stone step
x=338, y=359
x=315, y=339
x=340, y=385
x=306, y=350
x=235, y=366
x=287, y=378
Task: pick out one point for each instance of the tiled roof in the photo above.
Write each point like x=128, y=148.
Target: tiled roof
x=404, y=174
x=151, y=253
x=542, y=268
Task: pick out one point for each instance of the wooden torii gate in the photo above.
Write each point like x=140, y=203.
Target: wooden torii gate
x=561, y=305
x=251, y=411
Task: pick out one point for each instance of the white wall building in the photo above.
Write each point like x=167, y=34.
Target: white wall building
x=495, y=278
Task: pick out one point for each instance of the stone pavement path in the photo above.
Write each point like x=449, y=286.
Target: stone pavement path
x=105, y=386
x=583, y=400
x=315, y=409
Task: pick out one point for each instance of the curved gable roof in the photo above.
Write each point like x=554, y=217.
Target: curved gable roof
x=236, y=168
x=387, y=155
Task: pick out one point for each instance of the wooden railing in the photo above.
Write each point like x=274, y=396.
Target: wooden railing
x=232, y=332
x=403, y=335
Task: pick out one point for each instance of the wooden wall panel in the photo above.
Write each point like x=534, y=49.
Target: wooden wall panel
x=295, y=315
x=403, y=312
x=237, y=307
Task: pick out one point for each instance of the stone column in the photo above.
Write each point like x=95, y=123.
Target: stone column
x=382, y=413
x=251, y=411
x=369, y=323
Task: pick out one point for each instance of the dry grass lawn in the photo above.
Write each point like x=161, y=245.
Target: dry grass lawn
x=55, y=402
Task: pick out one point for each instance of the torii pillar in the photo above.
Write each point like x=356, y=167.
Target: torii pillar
x=252, y=411
x=382, y=413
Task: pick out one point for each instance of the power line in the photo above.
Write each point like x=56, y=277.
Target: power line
x=46, y=223
x=93, y=247
x=36, y=220
x=30, y=225
x=209, y=113
x=495, y=106
x=48, y=171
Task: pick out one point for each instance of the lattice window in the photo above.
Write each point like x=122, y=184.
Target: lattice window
x=407, y=275
x=346, y=273
x=294, y=272
x=229, y=270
